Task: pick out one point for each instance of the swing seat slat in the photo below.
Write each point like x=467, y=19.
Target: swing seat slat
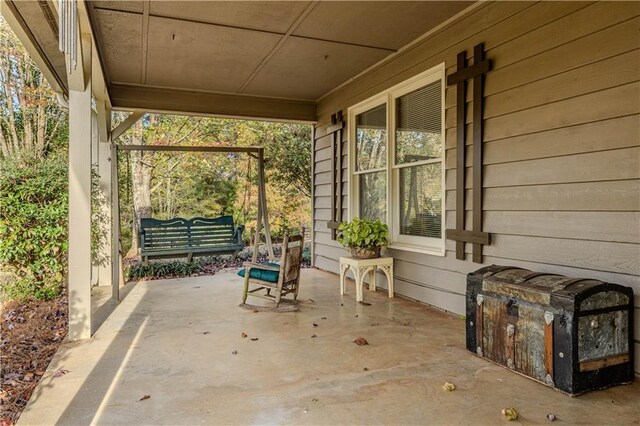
x=178, y=237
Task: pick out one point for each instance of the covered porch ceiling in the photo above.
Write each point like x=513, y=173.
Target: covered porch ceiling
x=235, y=58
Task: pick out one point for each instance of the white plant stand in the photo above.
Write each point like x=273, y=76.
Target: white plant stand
x=362, y=267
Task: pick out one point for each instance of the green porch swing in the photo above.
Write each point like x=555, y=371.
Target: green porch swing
x=201, y=236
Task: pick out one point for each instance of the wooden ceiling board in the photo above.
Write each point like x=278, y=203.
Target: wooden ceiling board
x=274, y=16
x=386, y=24
x=307, y=69
x=203, y=57
x=120, y=39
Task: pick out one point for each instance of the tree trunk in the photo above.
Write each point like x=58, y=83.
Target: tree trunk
x=141, y=167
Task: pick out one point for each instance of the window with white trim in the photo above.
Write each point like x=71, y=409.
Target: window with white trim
x=397, y=154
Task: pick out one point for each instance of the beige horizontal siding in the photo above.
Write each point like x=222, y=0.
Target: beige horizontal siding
x=589, y=196
x=561, y=145
x=604, y=135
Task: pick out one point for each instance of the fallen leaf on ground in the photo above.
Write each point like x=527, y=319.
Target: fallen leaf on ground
x=551, y=417
x=314, y=336
x=315, y=325
x=60, y=373
x=145, y=397
x=365, y=369
x=449, y=386
x=244, y=335
x=361, y=341
x=510, y=413
x=324, y=318
x=253, y=339
x=356, y=316
x=206, y=332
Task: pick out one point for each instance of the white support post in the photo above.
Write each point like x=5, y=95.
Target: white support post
x=80, y=204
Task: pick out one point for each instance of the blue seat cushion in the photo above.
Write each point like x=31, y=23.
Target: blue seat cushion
x=262, y=274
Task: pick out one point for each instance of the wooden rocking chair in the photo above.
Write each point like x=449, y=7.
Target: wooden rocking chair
x=282, y=278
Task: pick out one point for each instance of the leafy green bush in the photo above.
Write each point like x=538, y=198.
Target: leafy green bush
x=33, y=226
x=177, y=268
x=306, y=254
x=363, y=233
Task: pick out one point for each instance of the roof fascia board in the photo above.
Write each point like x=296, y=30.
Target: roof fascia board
x=187, y=102
x=26, y=37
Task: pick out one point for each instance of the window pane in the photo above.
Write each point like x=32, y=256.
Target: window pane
x=421, y=200
x=373, y=195
x=371, y=139
x=419, y=124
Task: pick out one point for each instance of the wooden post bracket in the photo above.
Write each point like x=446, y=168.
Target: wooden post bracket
x=476, y=72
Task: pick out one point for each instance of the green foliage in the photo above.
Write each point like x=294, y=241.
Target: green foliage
x=363, y=233
x=204, y=265
x=33, y=226
x=177, y=268
x=288, y=154
x=190, y=184
x=99, y=216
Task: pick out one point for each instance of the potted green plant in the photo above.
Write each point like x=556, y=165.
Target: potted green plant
x=364, y=237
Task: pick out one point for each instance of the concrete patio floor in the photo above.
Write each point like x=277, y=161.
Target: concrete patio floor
x=174, y=341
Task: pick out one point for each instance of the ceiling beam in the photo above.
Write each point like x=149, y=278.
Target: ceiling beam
x=189, y=102
x=191, y=148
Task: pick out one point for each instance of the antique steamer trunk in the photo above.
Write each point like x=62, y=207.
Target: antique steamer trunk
x=572, y=334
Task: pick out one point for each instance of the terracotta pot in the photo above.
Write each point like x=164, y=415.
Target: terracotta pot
x=365, y=253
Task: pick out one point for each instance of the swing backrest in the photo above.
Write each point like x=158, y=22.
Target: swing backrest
x=180, y=236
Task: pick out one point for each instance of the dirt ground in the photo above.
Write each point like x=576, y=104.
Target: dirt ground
x=30, y=333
